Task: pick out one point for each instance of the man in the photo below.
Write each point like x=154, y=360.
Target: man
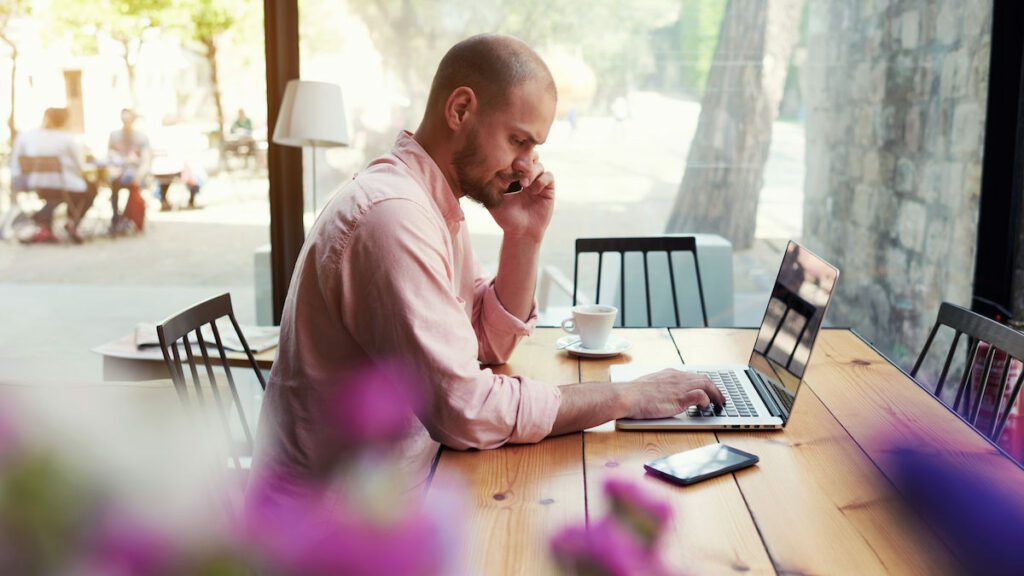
x=130, y=156
x=242, y=126
x=51, y=140
x=388, y=272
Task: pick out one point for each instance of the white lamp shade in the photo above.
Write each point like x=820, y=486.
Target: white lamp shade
x=311, y=114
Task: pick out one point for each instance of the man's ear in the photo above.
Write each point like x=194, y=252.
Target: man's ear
x=461, y=104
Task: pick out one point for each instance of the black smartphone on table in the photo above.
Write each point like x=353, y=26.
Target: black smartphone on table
x=700, y=464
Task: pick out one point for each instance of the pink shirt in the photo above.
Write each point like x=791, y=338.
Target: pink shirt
x=388, y=272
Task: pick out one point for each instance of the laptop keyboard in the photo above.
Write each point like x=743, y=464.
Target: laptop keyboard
x=737, y=403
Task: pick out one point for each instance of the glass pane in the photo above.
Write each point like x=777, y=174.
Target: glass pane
x=853, y=128
x=191, y=212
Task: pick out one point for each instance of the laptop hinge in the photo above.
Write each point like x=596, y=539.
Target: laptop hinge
x=765, y=394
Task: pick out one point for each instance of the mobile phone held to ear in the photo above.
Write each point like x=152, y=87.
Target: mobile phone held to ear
x=700, y=464
x=514, y=187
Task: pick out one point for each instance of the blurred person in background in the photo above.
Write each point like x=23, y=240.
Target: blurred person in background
x=52, y=140
x=129, y=157
x=242, y=126
x=176, y=154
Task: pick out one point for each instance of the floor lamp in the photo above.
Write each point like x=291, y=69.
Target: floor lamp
x=311, y=114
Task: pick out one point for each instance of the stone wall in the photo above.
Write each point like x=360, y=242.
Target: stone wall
x=896, y=94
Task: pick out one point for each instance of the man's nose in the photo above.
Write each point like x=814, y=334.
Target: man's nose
x=523, y=164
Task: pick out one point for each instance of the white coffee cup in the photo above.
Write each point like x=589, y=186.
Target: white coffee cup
x=593, y=323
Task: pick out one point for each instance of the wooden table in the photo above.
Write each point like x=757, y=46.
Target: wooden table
x=820, y=500
x=123, y=361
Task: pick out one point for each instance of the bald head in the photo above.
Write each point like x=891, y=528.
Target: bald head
x=492, y=65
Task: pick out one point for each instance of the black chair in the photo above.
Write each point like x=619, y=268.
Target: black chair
x=998, y=337
x=180, y=332
x=644, y=245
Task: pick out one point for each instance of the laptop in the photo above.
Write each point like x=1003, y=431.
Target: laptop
x=762, y=393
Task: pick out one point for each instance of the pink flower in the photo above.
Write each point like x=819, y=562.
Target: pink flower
x=606, y=549
x=637, y=511
x=374, y=405
x=124, y=546
x=297, y=528
x=623, y=542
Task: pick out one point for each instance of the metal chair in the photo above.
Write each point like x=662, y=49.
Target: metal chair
x=53, y=165
x=999, y=337
x=50, y=165
x=177, y=332
x=644, y=245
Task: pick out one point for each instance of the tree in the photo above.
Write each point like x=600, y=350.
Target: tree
x=125, y=21
x=11, y=10
x=725, y=166
x=207, y=21
x=611, y=35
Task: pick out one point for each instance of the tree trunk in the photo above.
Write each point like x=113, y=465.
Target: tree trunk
x=12, y=131
x=211, y=58
x=725, y=166
x=125, y=43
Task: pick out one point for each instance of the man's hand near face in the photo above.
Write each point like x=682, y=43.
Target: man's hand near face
x=524, y=217
x=526, y=214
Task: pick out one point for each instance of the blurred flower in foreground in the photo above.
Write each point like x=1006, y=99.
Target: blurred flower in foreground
x=374, y=407
x=622, y=543
x=310, y=531
x=67, y=505
x=362, y=519
x=981, y=522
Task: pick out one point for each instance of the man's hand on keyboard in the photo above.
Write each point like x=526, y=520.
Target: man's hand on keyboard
x=669, y=392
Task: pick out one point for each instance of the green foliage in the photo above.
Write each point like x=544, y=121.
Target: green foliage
x=208, y=19
x=697, y=29
x=123, y=20
x=13, y=9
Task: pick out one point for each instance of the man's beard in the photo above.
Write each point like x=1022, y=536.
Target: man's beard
x=464, y=160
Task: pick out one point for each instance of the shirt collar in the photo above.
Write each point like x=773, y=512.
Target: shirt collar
x=424, y=169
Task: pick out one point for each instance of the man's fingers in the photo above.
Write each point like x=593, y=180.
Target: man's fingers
x=714, y=393
x=696, y=398
x=544, y=181
x=530, y=179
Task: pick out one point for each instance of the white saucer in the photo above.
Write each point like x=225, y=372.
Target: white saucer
x=613, y=347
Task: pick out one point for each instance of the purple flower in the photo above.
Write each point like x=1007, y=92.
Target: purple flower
x=980, y=520
x=374, y=405
x=298, y=528
x=123, y=546
x=606, y=549
x=637, y=511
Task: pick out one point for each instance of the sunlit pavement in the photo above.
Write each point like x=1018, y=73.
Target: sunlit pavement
x=613, y=179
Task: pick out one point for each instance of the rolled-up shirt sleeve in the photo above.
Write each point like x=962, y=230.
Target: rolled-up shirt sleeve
x=398, y=300
x=497, y=330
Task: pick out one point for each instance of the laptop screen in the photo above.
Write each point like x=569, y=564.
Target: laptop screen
x=791, y=322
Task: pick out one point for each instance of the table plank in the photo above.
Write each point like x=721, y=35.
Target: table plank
x=886, y=413
x=712, y=531
x=858, y=386
x=818, y=500
x=521, y=495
